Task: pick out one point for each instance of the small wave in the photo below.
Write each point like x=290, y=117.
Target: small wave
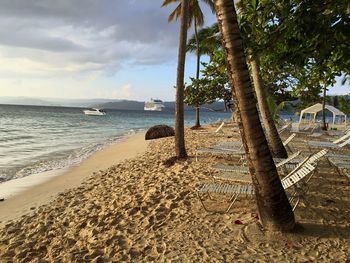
x=73, y=158
x=7, y=139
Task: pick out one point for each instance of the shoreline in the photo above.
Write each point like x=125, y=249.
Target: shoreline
x=24, y=195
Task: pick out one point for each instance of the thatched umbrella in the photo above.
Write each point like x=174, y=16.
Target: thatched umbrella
x=159, y=131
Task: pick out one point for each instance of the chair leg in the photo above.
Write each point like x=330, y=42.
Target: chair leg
x=296, y=204
x=202, y=202
x=312, y=174
x=293, y=195
x=233, y=200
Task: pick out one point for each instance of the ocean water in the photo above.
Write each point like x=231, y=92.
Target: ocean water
x=35, y=139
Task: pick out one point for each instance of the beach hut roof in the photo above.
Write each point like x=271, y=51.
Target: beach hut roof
x=318, y=107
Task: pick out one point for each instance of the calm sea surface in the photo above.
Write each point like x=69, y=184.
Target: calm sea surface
x=36, y=139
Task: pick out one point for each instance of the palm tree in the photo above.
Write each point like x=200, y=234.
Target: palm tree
x=275, y=212
x=196, y=16
x=274, y=140
x=209, y=41
x=253, y=32
x=204, y=42
x=180, y=148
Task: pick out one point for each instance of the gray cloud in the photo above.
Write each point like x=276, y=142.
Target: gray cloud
x=100, y=34
x=16, y=34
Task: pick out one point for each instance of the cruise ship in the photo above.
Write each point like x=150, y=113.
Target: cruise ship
x=154, y=105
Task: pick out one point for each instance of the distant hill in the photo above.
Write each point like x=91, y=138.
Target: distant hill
x=26, y=101
x=169, y=106
x=100, y=103
x=82, y=102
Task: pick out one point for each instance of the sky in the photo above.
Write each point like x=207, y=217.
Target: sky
x=115, y=49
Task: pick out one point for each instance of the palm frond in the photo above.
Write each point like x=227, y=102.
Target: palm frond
x=197, y=14
x=195, y=11
x=175, y=14
x=167, y=2
x=211, y=5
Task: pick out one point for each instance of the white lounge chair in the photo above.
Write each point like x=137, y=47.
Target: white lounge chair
x=288, y=140
x=220, y=131
x=241, y=173
x=238, y=144
x=284, y=128
x=280, y=162
x=341, y=165
x=338, y=141
x=233, y=150
x=339, y=146
x=303, y=170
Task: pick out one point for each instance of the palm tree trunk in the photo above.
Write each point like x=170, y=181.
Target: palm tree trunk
x=197, y=124
x=324, y=127
x=180, y=148
x=198, y=67
x=275, y=212
x=275, y=143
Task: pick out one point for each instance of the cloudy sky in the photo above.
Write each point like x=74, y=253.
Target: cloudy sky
x=122, y=49
x=118, y=49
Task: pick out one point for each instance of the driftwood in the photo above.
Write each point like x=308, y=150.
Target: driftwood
x=159, y=131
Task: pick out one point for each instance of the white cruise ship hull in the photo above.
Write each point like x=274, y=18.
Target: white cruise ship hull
x=153, y=108
x=154, y=105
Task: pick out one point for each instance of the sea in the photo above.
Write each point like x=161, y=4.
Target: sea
x=35, y=139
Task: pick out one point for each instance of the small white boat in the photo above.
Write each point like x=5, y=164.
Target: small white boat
x=94, y=111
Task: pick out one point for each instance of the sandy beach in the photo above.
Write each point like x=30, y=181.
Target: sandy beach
x=137, y=208
x=25, y=194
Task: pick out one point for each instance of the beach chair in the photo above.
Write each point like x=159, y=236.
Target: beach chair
x=239, y=145
x=241, y=152
x=220, y=131
x=343, y=138
x=229, y=145
x=235, y=150
x=341, y=163
x=241, y=173
x=283, y=128
x=338, y=146
x=234, y=171
x=304, y=170
x=337, y=141
x=309, y=129
x=288, y=140
x=314, y=159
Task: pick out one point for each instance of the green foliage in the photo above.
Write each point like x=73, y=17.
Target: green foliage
x=303, y=45
x=275, y=108
x=209, y=41
x=344, y=104
x=198, y=93
x=212, y=86
x=335, y=101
